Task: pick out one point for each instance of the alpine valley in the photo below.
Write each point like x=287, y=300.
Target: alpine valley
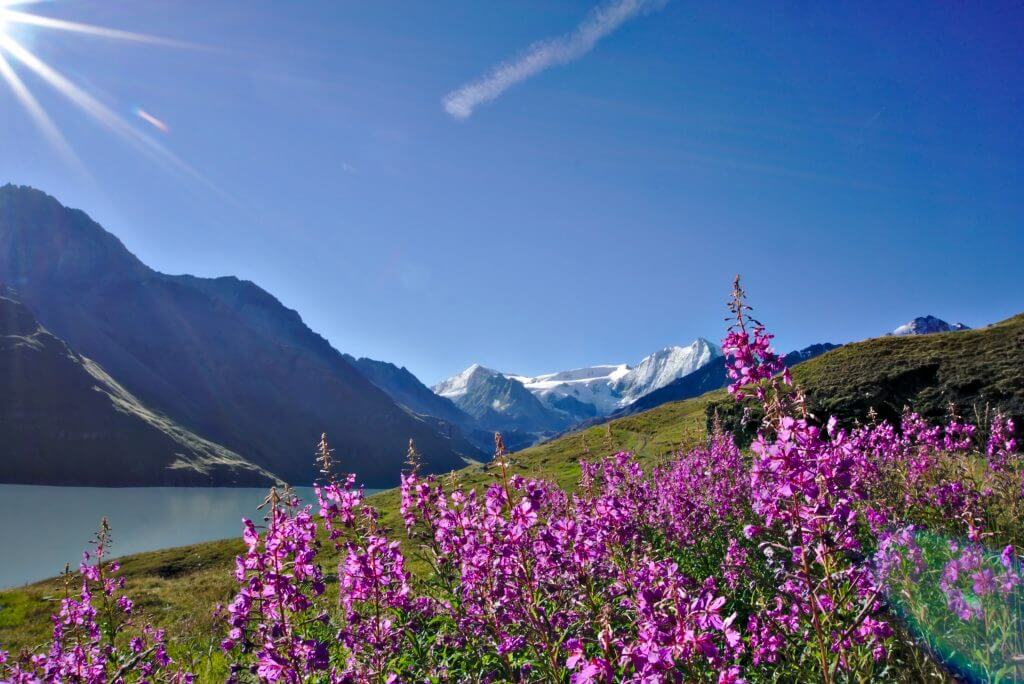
x=144, y=378
x=137, y=377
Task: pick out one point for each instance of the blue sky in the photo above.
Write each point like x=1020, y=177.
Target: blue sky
x=858, y=163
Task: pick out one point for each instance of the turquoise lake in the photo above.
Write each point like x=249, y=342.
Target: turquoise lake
x=42, y=528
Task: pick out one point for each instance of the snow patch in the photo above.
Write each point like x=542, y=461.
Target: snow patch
x=459, y=385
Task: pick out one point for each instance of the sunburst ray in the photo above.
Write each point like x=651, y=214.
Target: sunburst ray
x=15, y=17
x=39, y=116
x=98, y=111
x=80, y=98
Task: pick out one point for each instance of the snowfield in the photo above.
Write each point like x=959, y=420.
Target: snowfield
x=605, y=387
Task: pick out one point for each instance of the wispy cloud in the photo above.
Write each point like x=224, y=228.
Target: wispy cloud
x=544, y=54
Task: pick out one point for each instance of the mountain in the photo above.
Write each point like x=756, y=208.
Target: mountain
x=580, y=393
x=664, y=366
x=406, y=389
x=220, y=356
x=925, y=325
x=499, y=402
x=709, y=377
x=569, y=398
x=807, y=353
x=64, y=419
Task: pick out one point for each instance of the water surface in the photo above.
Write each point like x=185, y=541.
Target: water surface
x=42, y=528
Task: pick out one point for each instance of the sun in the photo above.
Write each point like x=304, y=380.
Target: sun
x=15, y=57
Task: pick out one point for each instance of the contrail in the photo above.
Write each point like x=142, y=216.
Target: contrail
x=602, y=21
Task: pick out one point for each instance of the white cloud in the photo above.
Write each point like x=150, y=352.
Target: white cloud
x=544, y=54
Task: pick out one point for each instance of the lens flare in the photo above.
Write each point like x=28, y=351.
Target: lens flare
x=152, y=120
x=14, y=53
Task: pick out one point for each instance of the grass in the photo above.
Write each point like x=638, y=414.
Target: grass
x=177, y=588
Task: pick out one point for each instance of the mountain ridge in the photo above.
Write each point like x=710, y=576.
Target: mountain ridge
x=709, y=377
x=221, y=356
x=566, y=399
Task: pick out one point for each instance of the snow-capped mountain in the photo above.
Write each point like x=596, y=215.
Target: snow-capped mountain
x=709, y=377
x=499, y=402
x=607, y=388
x=924, y=325
x=554, y=401
x=664, y=366
x=461, y=384
x=586, y=392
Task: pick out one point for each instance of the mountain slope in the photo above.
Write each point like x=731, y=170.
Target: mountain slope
x=664, y=366
x=499, y=402
x=971, y=369
x=219, y=355
x=707, y=378
x=63, y=419
x=405, y=388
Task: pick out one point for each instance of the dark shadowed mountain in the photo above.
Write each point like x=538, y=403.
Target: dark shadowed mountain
x=405, y=388
x=220, y=356
x=63, y=419
x=709, y=377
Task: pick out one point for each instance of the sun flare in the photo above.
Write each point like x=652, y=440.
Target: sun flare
x=15, y=57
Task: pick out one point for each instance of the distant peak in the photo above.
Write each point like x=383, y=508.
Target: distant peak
x=458, y=385
x=475, y=368
x=47, y=241
x=698, y=346
x=926, y=325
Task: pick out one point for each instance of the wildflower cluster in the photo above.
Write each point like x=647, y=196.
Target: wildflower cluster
x=800, y=561
x=93, y=637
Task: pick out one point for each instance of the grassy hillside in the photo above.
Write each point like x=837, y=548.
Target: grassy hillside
x=971, y=369
x=178, y=586
x=975, y=371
